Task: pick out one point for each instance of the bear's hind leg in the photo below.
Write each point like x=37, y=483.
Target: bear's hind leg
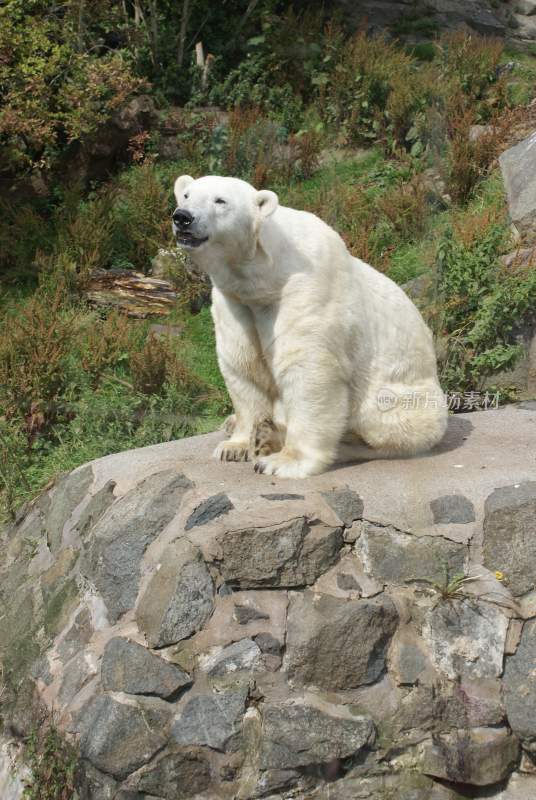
x=412, y=422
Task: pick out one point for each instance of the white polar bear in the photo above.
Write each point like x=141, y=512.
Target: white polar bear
x=307, y=335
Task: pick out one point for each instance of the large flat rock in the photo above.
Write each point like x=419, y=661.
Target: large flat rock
x=481, y=452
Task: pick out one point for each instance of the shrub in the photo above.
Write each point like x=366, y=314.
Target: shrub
x=354, y=96
x=406, y=209
x=406, y=122
x=22, y=234
x=480, y=303
x=74, y=387
x=34, y=372
x=470, y=157
x=252, y=142
x=278, y=72
x=105, y=344
x=54, y=92
x=140, y=217
x=470, y=60
x=84, y=238
x=253, y=147
x=148, y=367
x=373, y=89
x=14, y=462
x=123, y=224
x=158, y=363
x=253, y=84
x=305, y=148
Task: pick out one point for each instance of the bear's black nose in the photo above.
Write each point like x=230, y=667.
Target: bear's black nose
x=182, y=218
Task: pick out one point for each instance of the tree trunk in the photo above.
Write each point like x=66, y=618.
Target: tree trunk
x=153, y=35
x=80, y=25
x=185, y=18
x=138, y=13
x=200, y=55
x=249, y=11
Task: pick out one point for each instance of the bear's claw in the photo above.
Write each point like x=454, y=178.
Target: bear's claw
x=232, y=451
x=284, y=466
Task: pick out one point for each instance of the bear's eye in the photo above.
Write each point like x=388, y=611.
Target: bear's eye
x=186, y=195
x=220, y=200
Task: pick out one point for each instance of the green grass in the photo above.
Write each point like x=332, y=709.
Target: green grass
x=353, y=170
x=522, y=79
x=200, y=356
x=113, y=415
x=200, y=347
x=411, y=260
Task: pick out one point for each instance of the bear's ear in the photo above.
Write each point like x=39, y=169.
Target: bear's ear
x=267, y=202
x=180, y=185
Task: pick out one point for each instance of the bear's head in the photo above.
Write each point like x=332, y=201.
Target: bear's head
x=225, y=213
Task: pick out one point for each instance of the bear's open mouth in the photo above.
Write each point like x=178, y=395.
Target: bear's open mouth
x=186, y=239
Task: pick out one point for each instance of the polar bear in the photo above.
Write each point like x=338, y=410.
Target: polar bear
x=313, y=343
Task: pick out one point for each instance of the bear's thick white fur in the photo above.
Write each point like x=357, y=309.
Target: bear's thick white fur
x=307, y=335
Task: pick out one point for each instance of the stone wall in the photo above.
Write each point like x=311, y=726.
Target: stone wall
x=199, y=631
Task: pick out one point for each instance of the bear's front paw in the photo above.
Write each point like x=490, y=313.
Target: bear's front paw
x=231, y=450
x=287, y=466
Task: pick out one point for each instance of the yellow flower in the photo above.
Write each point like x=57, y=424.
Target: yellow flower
x=499, y=575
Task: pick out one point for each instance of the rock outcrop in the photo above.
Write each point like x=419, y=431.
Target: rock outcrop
x=98, y=155
x=518, y=164
x=420, y=19
x=477, y=15
x=200, y=631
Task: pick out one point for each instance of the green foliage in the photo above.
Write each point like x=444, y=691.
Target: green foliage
x=469, y=159
x=251, y=84
x=471, y=63
x=52, y=762
x=34, y=369
x=140, y=217
x=467, y=270
x=521, y=83
x=121, y=224
x=250, y=147
x=355, y=93
x=453, y=586
x=277, y=74
x=23, y=233
x=480, y=304
x=55, y=89
x=371, y=89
